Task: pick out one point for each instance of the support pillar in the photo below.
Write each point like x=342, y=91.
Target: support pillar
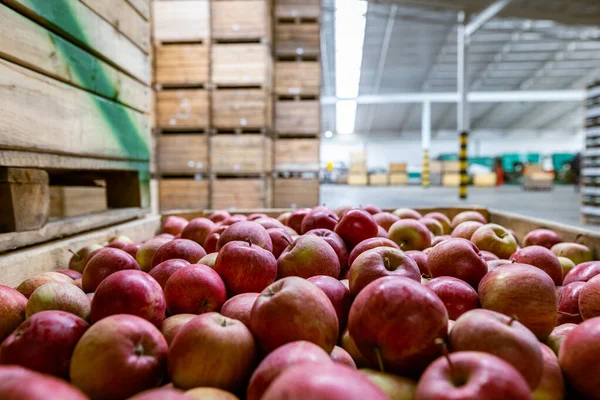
x=426, y=140
x=463, y=103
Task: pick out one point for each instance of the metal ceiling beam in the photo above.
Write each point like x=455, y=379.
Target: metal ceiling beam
x=483, y=17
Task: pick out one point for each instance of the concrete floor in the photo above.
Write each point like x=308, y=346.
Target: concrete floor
x=560, y=205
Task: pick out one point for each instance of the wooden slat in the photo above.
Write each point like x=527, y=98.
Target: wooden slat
x=298, y=8
x=177, y=194
x=19, y=265
x=295, y=192
x=26, y=43
x=241, y=64
x=24, y=199
x=142, y=7
x=71, y=201
x=297, y=39
x=182, y=109
x=240, y=154
x=298, y=78
x=298, y=117
x=182, y=64
x=124, y=17
x=240, y=19
x=238, y=193
x=76, y=21
x=297, y=155
x=241, y=108
x=42, y=114
x=181, y=21
x=182, y=154
x=15, y=158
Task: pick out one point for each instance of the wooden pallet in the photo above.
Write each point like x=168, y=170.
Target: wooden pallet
x=241, y=21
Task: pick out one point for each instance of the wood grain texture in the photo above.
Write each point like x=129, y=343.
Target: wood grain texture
x=181, y=21
x=180, y=154
x=295, y=192
x=297, y=39
x=298, y=9
x=71, y=201
x=15, y=158
x=142, y=7
x=181, y=194
x=182, y=109
x=297, y=155
x=24, y=199
x=297, y=78
x=239, y=193
x=241, y=108
x=298, y=117
x=241, y=64
x=182, y=64
x=24, y=42
x=241, y=19
x=238, y=154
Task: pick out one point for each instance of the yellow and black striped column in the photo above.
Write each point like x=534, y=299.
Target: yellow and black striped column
x=462, y=158
x=425, y=172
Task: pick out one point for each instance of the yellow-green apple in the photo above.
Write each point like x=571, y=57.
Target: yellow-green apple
x=212, y=350
x=341, y=356
x=198, y=229
x=566, y=264
x=174, y=225
x=59, y=296
x=341, y=210
x=410, y=234
x=336, y=243
x=457, y=295
x=314, y=319
x=578, y=253
x=246, y=267
x=29, y=285
x=163, y=271
x=255, y=216
x=395, y=387
x=280, y=239
x=558, y=336
x=458, y=258
x=443, y=220
x=495, y=239
x=212, y=240
x=421, y=260
x=296, y=217
x=578, y=357
x=589, y=299
x=379, y=262
x=385, y=219
x=494, y=333
x=129, y=292
x=282, y=358
x=12, y=310
x=178, y=248
x=541, y=258
x=307, y=256
x=583, y=272
x=246, y=231
x=394, y=322
x=161, y=394
x=434, y=226
x=466, y=229
x=319, y=219
x=338, y=294
x=219, y=215
x=552, y=385
x=70, y=273
x=542, y=237
x=119, y=356
x=355, y=226
x=348, y=344
x=372, y=209
x=524, y=292
x=195, y=289
x=268, y=223
x=79, y=260
x=171, y=326
x=18, y=383
x=132, y=249
x=44, y=342
x=439, y=239
x=568, y=303
x=407, y=213
x=466, y=216
x=104, y=263
x=147, y=250
x=119, y=242
x=472, y=375
x=240, y=307
x=368, y=245
x=284, y=217
x=209, y=259
x=209, y=393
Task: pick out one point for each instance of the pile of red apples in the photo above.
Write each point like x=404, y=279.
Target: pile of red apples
x=315, y=304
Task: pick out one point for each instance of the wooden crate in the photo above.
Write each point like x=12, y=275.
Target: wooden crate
x=397, y=167
x=181, y=21
x=379, y=179
x=182, y=64
x=241, y=154
x=182, y=154
x=358, y=179
x=228, y=193
x=399, y=178
x=298, y=78
x=241, y=65
x=435, y=167
x=450, y=167
x=358, y=168
x=297, y=155
x=309, y=9
x=182, y=193
x=241, y=108
x=293, y=118
x=485, y=180
x=451, y=180
x=70, y=201
x=182, y=109
x=295, y=192
x=297, y=39
x=234, y=20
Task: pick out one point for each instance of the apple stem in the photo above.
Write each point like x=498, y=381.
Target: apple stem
x=576, y=240
x=377, y=351
x=442, y=344
x=286, y=239
x=386, y=262
x=425, y=276
x=566, y=314
x=224, y=323
x=249, y=241
x=513, y=319
x=75, y=254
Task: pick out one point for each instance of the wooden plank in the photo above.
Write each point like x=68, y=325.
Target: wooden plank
x=182, y=64
x=74, y=20
x=295, y=192
x=72, y=201
x=182, y=109
x=19, y=265
x=177, y=194
x=182, y=154
x=72, y=121
x=241, y=154
x=297, y=155
x=124, y=17
x=297, y=39
x=241, y=64
x=241, y=19
x=238, y=193
x=298, y=117
x=142, y=7
x=24, y=42
x=181, y=21
x=298, y=8
x=24, y=199
x=15, y=158
x=241, y=108
x=298, y=78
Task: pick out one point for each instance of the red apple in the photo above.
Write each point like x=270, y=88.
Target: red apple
x=558, y=336
x=583, y=272
x=319, y=219
x=240, y=307
x=165, y=236
x=495, y=239
x=174, y=225
x=70, y=273
x=171, y=326
x=198, y=229
x=296, y=218
x=12, y=310
x=104, y=263
x=457, y=295
x=421, y=260
x=212, y=350
x=314, y=319
x=245, y=267
x=209, y=259
x=83, y=255
x=379, y=262
x=439, y=239
x=355, y=226
x=18, y=383
x=524, y=292
x=212, y=240
x=282, y=358
x=458, y=258
x=147, y=250
x=541, y=258
x=341, y=210
x=129, y=292
x=284, y=218
x=77, y=282
x=255, y=216
x=349, y=345
x=494, y=333
x=338, y=294
x=395, y=321
x=322, y=382
x=196, y=289
x=308, y=256
x=29, y=285
x=589, y=299
x=119, y=242
x=410, y=234
x=385, y=219
x=341, y=356
x=368, y=245
x=467, y=216
x=246, y=231
x=280, y=239
x=269, y=223
x=132, y=249
x=119, y=356
x=568, y=304
x=219, y=216
x=184, y=249
x=395, y=387
x=163, y=271
x=552, y=386
x=466, y=229
x=442, y=219
x=542, y=237
x=493, y=264
x=44, y=342
x=381, y=233
x=59, y=296
x=234, y=219
x=407, y=213
x=372, y=209
x=487, y=256
x=336, y=243
x=472, y=375
x=434, y=226
x=578, y=253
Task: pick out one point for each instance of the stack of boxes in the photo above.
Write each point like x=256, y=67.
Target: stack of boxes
x=398, y=174
x=451, y=173
x=357, y=174
x=590, y=160
x=435, y=173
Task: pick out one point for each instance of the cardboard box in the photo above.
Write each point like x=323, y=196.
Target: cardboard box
x=378, y=180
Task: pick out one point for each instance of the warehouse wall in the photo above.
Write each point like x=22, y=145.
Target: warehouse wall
x=382, y=151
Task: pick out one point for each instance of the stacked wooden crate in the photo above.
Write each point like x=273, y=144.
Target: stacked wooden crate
x=451, y=173
x=398, y=174
x=590, y=160
x=357, y=173
x=436, y=170
x=297, y=106
x=74, y=121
